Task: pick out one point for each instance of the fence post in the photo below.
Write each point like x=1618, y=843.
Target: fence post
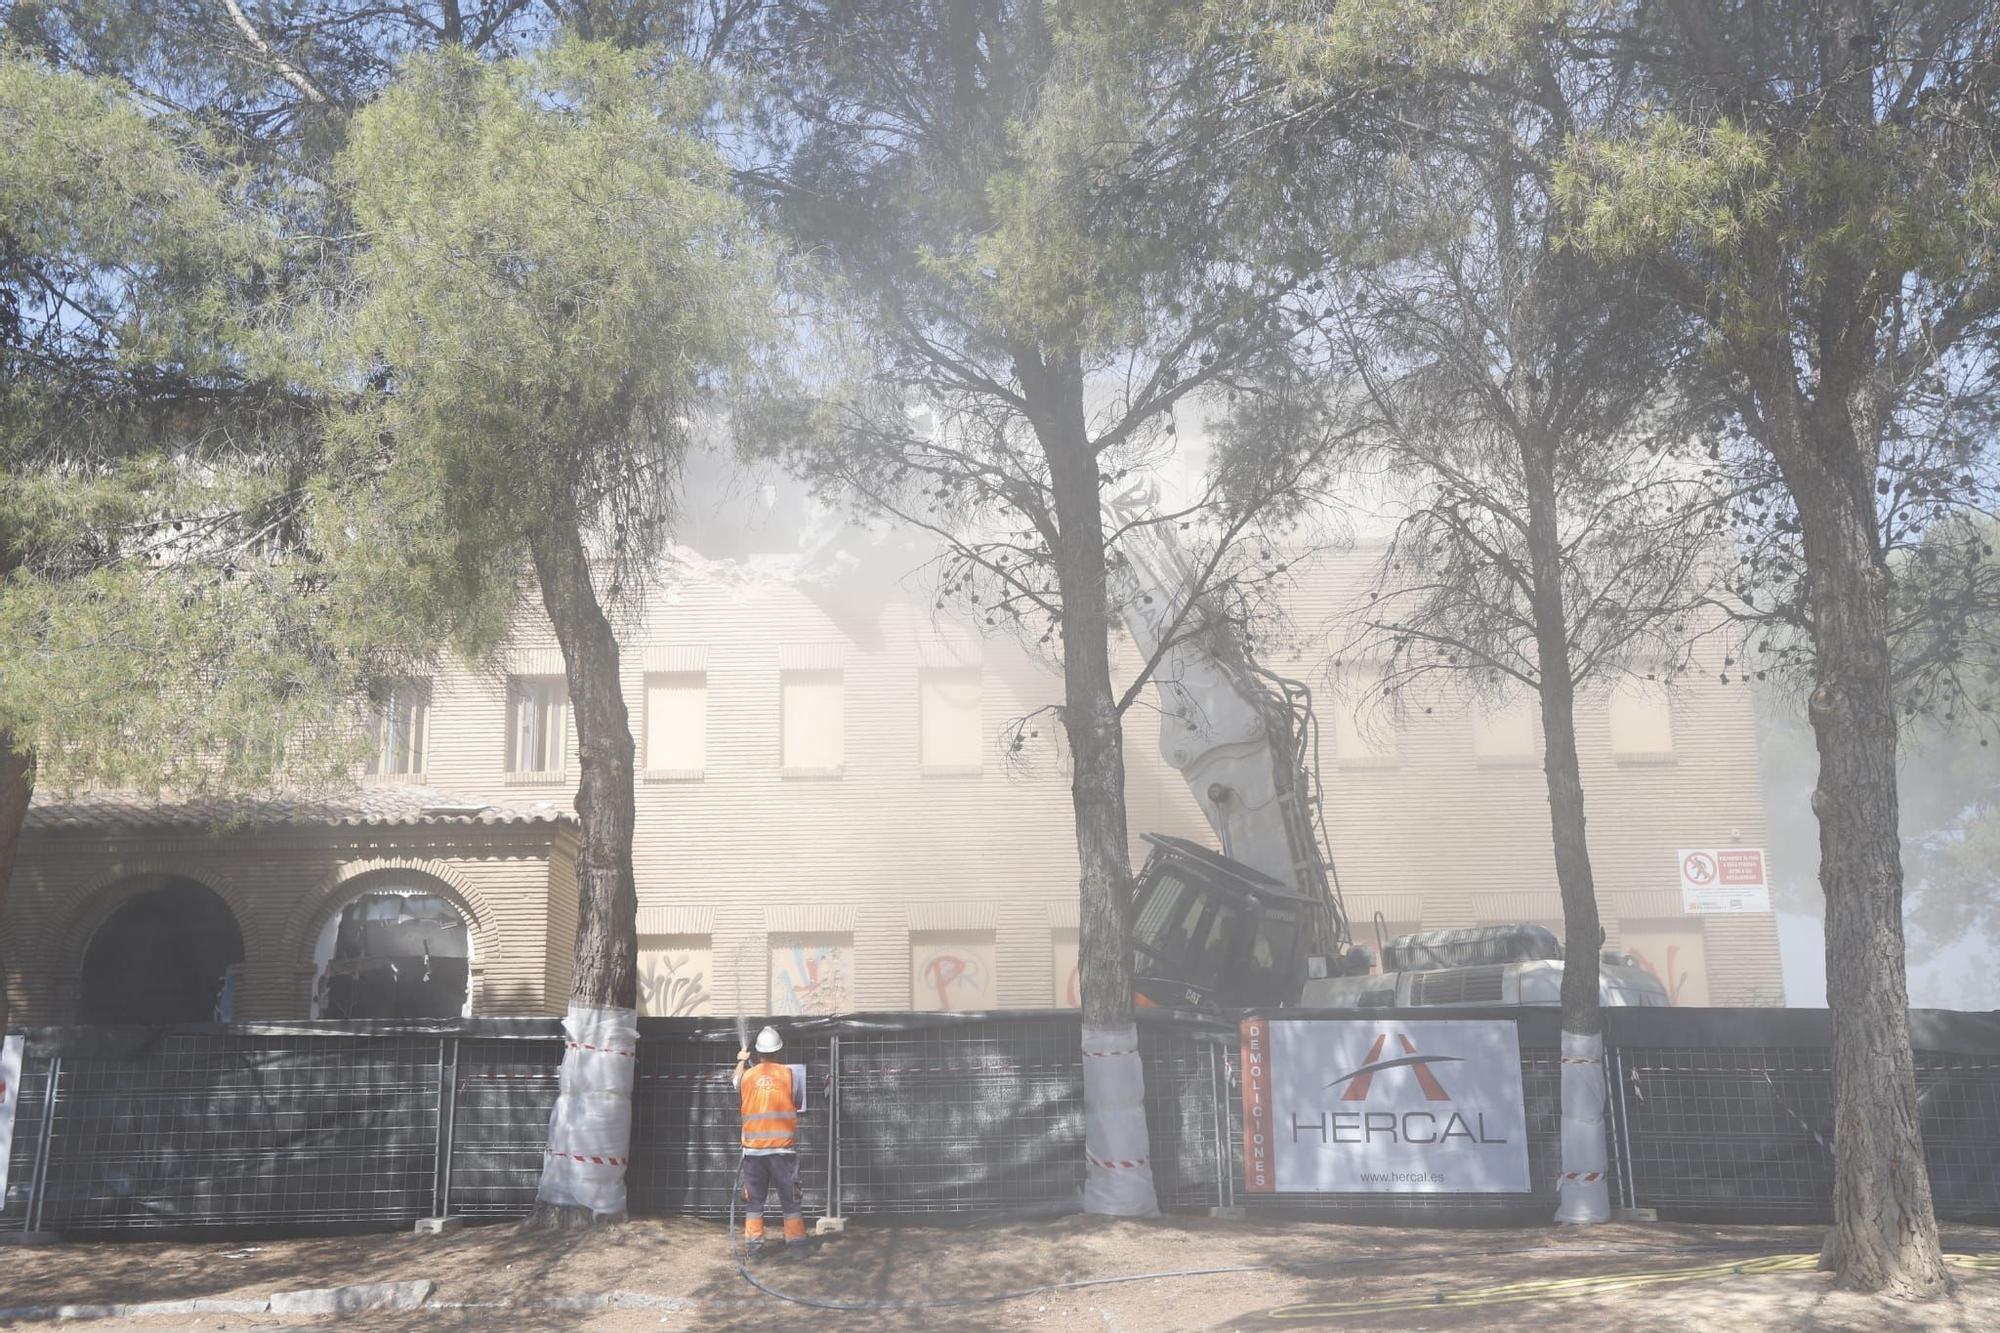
x=1225, y=1191
x=833, y=1130
x=38, y=1178
x=447, y=1115
x=1629, y=1181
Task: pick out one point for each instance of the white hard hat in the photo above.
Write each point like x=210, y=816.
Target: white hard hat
x=769, y=1042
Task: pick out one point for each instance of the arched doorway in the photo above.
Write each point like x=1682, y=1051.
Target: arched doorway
x=399, y=949
x=167, y=955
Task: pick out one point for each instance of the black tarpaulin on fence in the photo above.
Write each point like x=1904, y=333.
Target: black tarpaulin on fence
x=1727, y=1114
x=1716, y=1113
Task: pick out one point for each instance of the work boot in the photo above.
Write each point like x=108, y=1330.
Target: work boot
x=800, y=1249
x=753, y=1249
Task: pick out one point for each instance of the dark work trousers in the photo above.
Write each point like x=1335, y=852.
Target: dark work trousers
x=760, y=1173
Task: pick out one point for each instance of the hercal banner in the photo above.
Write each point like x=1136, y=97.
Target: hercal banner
x=1392, y=1107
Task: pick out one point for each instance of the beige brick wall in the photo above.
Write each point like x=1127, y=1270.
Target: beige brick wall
x=1437, y=837
x=748, y=855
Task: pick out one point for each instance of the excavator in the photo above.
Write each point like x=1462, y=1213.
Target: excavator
x=1262, y=922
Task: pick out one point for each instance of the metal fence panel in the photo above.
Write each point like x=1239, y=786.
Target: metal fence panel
x=24, y=1157
x=1747, y=1132
x=227, y=1130
x=687, y=1139
x=323, y=1125
x=962, y=1117
x=503, y=1095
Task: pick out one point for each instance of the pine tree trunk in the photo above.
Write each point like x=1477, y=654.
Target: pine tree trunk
x=593, y=1115
x=1118, y=1165
x=1583, y=1188
x=17, y=788
x=1885, y=1235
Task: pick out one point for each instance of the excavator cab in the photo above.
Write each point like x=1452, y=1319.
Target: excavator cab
x=1209, y=932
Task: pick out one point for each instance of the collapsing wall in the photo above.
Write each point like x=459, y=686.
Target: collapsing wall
x=1723, y=1114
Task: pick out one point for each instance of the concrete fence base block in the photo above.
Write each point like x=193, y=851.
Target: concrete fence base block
x=437, y=1226
x=1635, y=1215
x=829, y=1226
x=355, y=1298
x=1229, y=1213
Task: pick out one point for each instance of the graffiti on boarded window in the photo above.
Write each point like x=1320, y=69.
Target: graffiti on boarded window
x=1672, y=953
x=676, y=975
x=953, y=970
x=812, y=974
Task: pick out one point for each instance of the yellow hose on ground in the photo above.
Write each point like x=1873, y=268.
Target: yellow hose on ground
x=1515, y=1292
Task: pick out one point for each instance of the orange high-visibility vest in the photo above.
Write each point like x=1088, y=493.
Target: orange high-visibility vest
x=770, y=1116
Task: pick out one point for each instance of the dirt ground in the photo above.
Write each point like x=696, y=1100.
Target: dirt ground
x=1310, y=1275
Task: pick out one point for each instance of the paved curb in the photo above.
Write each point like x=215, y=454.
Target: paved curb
x=354, y=1299
x=139, y=1310
x=371, y=1297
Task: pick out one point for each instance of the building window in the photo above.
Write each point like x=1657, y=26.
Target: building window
x=814, y=732
x=394, y=953
x=951, y=719
x=812, y=974
x=537, y=725
x=1363, y=733
x=1674, y=952
x=1509, y=730
x=676, y=975
x=1642, y=720
x=953, y=969
x=676, y=725
x=402, y=729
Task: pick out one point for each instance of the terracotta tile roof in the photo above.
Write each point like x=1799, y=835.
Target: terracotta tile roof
x=385, y=805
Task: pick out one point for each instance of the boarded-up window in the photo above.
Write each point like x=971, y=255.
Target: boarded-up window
x=1674, y=952
x=1642, y=719
x=676, y=975
x=402, y=729
x=949, y=707
x=1363, y=731
x=1508, y=729
x=812, y=974
x=814, y=729
x=954, y=969
x=538, y=723
x=677, y=724
x=1064, y=970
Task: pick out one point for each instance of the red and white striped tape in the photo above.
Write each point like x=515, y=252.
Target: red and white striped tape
x=1587, y=1177
x=589, y=1161
x=601, y=1050
x=1117, y=1165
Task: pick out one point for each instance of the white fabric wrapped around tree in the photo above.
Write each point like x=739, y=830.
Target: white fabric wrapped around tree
x=1584, y=1190
x=1118, y=1178
x=590, y=1131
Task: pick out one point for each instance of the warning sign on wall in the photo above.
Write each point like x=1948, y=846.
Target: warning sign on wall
x=1723, y=879
x=1392, y=1107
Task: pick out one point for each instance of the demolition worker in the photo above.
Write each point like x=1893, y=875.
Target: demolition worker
x=770, y=1106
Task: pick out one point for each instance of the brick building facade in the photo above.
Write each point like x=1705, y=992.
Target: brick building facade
x=831, y=816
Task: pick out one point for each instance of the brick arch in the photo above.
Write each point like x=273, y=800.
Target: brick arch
x=355, y=878
x=115, y=888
